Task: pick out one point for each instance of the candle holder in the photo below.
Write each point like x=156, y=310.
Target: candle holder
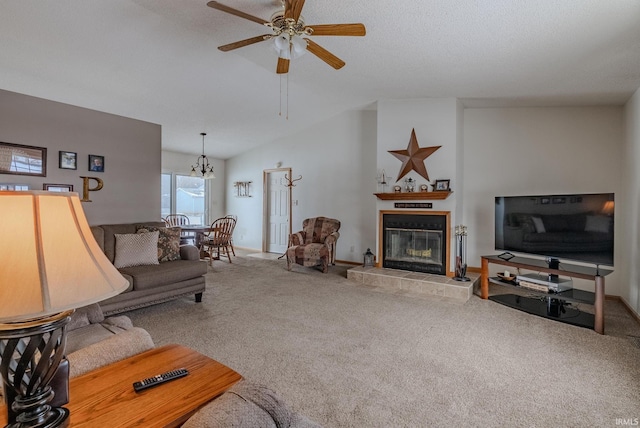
x=381, y=178
x=461, y=254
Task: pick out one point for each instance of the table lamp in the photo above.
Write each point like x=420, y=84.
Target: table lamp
x=50, y=264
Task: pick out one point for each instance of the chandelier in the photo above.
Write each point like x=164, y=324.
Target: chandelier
x=202, y=166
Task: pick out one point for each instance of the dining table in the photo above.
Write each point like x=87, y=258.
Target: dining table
x=197, y=231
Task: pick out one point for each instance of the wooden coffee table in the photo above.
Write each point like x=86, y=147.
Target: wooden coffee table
x=105, y=397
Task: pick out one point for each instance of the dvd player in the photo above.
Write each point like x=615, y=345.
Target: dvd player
x=554, y=283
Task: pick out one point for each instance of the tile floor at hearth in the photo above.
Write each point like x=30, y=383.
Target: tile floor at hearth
x=415, y=284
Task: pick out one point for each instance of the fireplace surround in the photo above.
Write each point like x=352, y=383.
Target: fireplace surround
x=416, y=241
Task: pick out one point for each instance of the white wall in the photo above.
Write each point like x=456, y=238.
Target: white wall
x=515, y=151
x=180, y=163
x=131, y=149
x=631, y=178
x=436, y=123
x=336, y=159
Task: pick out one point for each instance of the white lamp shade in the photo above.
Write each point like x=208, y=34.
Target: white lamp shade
x=299, y=46
x=50, y=261
x=281, y=41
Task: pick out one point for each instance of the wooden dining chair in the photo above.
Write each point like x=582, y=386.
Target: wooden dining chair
x=177, y=220
x=217, y=241
x=235, y=218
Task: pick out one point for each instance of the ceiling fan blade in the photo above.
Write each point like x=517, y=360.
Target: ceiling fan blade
x=338, y=30
x=293, y=8
x=243, y=43
x=232, y=11
x=283, y=66
x=324, y=54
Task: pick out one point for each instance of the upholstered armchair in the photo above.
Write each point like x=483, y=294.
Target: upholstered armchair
x=315, y=244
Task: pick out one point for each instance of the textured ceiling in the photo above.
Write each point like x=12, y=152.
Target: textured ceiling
x=156, y=60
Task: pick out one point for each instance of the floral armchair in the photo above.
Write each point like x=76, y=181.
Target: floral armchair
x=315, y=244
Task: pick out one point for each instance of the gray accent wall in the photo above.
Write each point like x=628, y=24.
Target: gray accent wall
x=132, y=151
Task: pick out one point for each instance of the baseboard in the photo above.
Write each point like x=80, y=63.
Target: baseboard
x=626, y=305
x=347, y=262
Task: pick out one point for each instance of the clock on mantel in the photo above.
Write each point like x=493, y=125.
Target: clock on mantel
x=414, y=196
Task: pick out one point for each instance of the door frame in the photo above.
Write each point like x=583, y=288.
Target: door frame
x=265, y=203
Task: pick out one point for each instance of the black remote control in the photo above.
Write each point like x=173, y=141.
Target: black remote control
x=159, y=379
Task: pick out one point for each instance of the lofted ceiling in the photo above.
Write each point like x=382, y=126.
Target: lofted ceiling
x=157, y=60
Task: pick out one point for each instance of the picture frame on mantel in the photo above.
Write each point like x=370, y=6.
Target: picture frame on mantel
x=442, y=186
x=19, y=159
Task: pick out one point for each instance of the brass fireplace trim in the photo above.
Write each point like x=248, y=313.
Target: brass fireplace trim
x=447, y=215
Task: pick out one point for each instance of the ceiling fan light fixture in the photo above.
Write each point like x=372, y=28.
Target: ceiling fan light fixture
x=298, y=46
x=281, y=41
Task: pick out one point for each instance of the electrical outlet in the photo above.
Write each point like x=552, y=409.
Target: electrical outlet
x=352, y=249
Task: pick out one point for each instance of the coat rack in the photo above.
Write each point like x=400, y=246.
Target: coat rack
x=290, y=181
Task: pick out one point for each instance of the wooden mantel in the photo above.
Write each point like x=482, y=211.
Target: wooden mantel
x=414, y=196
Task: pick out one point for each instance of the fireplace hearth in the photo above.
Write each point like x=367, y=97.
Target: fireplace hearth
x=415, y=241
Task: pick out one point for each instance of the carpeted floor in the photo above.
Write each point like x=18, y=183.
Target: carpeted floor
x=348, y=355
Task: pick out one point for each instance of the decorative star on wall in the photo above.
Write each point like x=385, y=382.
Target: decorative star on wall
x=413, y=157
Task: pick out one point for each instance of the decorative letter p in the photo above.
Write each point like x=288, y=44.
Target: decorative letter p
x=86, y=190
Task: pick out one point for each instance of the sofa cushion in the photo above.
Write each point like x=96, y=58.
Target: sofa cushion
x=168, y=241
x=538, y=224
x=84, y=316
x=147, y=277
x=108, y=235
x=136, y=249
x=114, y=348
x=248, y=405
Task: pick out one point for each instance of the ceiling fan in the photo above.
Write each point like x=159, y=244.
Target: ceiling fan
x=290, y=34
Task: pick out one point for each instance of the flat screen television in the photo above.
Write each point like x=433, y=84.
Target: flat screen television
x=575, y=227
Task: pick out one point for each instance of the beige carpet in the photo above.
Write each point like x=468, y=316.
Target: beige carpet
x=348, y=355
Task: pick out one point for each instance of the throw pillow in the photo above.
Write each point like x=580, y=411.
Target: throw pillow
x=136, y=249
x=597, y=223
x=168, y=241
x=539, y=225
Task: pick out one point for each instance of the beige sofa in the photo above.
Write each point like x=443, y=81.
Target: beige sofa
x=155, y=283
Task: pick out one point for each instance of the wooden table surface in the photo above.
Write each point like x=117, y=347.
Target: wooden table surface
x=105, y=397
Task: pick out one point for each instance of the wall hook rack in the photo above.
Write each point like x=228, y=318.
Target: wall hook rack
x=291, y=181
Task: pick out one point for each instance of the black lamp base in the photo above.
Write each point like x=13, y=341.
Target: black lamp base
x=34, y=412
x=31, y=353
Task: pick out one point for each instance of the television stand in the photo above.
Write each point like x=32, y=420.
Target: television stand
x=574, y=271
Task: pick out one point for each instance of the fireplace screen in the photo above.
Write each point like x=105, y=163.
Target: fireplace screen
x=414, y=242
x=414, y=246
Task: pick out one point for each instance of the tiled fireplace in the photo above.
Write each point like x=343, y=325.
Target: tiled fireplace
x=414, y=257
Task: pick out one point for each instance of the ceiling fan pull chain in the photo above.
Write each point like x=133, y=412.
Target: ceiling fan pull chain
x=280, y=113
x=284, y=76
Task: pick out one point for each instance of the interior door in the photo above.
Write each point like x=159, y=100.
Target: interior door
x=277, y=211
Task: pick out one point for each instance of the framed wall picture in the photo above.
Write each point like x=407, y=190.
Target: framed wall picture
x=23, y=160
x=441, y=186
x=67, y=160
x=96, y=163
x=58, y=187
x=9, y=187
